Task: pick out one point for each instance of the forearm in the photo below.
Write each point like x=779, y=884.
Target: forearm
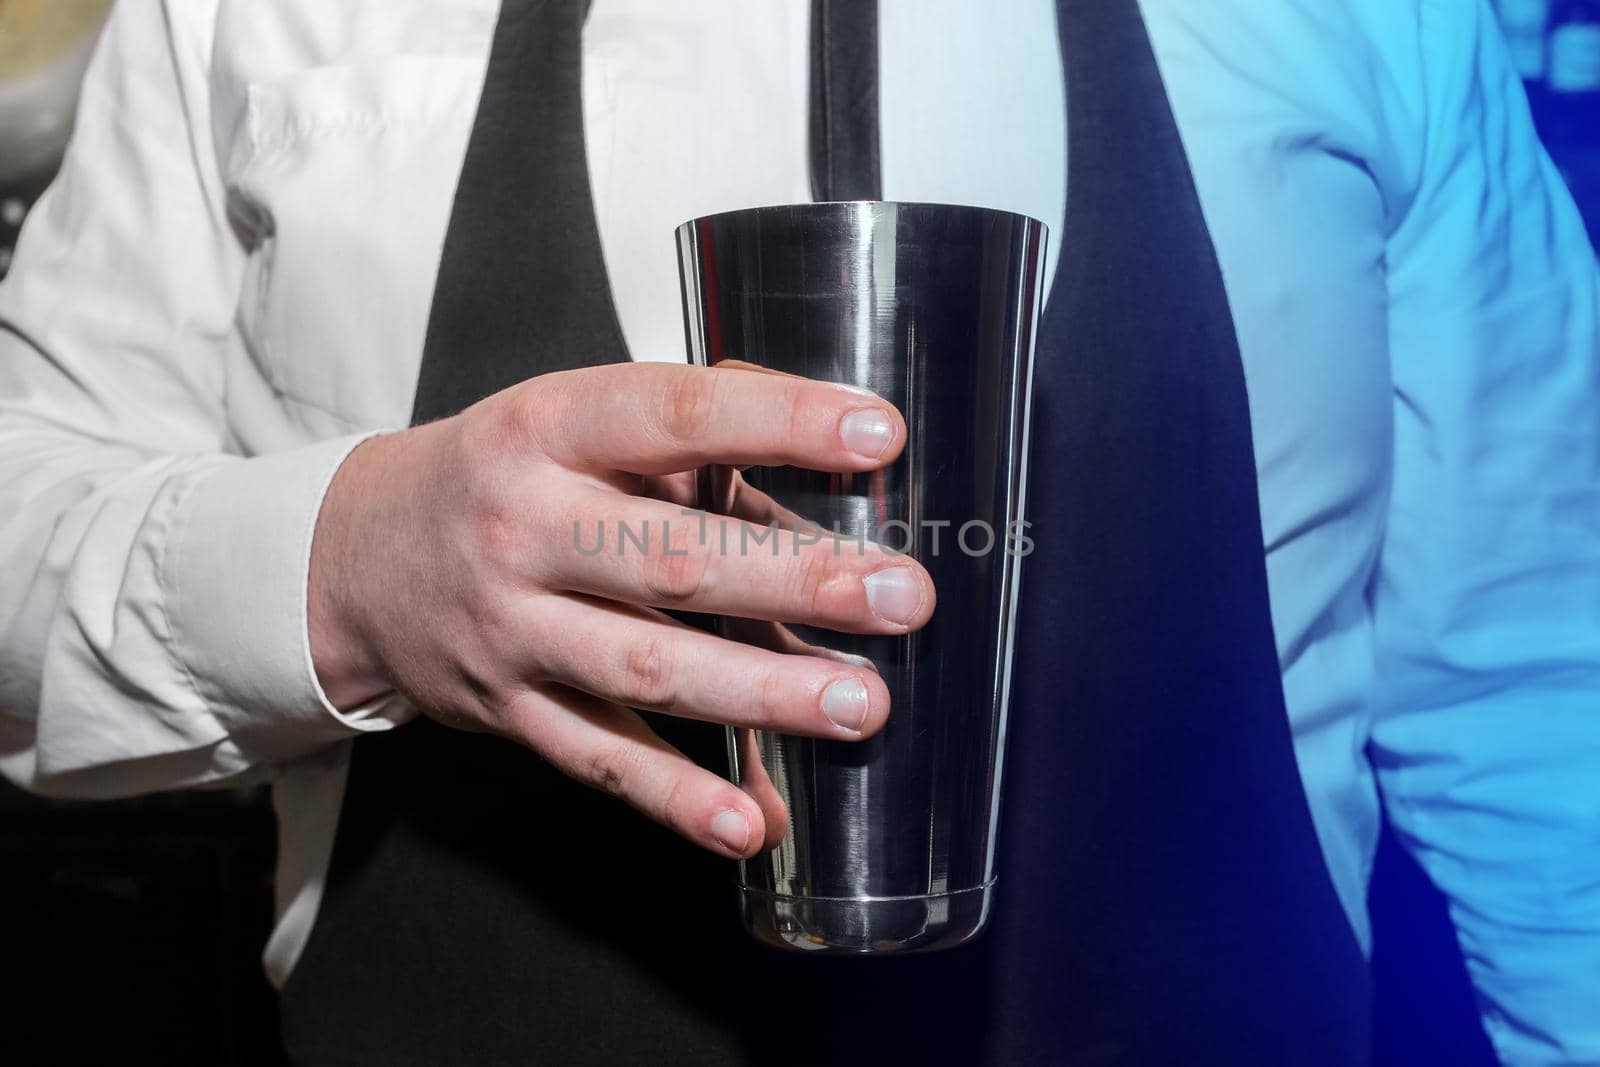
x=152, y=613
x=152, y=581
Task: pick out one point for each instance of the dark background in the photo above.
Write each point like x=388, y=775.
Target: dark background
x=146, y=918
x=145, y=921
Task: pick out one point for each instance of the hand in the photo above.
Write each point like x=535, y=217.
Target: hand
x=454, y=563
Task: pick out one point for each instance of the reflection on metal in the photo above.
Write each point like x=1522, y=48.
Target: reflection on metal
x=889, y=846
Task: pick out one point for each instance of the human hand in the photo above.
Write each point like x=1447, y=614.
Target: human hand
x=455, y=563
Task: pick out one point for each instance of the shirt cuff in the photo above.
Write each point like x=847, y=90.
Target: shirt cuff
x=235, y=580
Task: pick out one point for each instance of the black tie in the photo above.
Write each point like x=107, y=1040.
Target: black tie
x=844, y=100
x=522, y=286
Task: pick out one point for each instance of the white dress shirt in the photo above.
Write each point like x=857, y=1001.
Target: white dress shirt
x=228, y=286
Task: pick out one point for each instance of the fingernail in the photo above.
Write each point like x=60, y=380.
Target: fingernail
x=867, y=432
x=845, y=704
x=894, y=594
x=855, y=661
x=732, y=829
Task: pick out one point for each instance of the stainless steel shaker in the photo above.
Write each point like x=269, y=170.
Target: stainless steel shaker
x=890, y=844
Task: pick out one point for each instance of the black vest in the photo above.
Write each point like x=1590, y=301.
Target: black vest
x=1162, y=898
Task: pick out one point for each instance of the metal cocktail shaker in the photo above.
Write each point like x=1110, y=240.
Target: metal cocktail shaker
x=890, y=844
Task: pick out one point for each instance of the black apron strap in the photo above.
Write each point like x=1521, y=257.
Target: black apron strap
x=1162, y=898
x=1164, y=885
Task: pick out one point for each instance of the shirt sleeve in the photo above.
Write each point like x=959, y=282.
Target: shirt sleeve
x=152, y=581
x=1487, y=603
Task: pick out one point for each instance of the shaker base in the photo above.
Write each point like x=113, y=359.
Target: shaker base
x=848, y=926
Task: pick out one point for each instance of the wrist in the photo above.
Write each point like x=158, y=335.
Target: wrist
x=346, y=667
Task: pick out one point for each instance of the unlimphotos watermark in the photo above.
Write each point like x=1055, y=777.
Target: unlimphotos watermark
x=975, y=538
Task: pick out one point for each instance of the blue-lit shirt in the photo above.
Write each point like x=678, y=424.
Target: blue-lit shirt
x=1415, y=300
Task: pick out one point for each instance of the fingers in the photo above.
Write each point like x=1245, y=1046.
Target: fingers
x=776, y=637
x=642, y=659
x=745, y=501
x=644, y=552
x=753, y=778
x=741, y=364
x=610, y=748
x=681, y=488
x=660, y=418
x=739, y=499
